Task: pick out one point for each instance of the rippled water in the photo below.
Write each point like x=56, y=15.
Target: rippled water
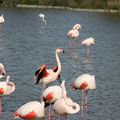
x=25, y=44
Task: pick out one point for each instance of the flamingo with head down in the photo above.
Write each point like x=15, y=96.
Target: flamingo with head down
x=30, y=111
x=46, y=76
x=50, y=95
x=65, y=105
x=84, y=83
x=88, y=42
x=6, y=88
x=2, y=70
x=1, y=19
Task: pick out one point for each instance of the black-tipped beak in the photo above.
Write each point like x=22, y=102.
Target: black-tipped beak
x=63, y=51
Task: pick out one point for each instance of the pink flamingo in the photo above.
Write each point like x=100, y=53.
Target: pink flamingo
x=2, y=70
x=51, y=94
x=1, y=19
x=88, y=42
x=65, y=105
x=6, y=88
x=30, y=111
x=84, y=83
x=46, y=76
x=74, y=32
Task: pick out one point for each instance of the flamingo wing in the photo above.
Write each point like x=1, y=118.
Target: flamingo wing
x=41, y=73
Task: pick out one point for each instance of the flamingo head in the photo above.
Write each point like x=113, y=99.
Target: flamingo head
x=2, y=70
x=77, y=27
x=58, y=50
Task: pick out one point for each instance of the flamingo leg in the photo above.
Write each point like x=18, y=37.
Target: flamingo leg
x=49, y=112
x=88, y=52
x=58, y=116
x=82, y=104
x=86, y=102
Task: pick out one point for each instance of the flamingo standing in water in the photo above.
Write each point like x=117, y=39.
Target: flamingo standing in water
x=88, y=42
x=30, y=111
x=2, y=70
x=1, y=19
x=51, y=94
x=74, y=32
x=6, y=88
x=84, y=83
x=46, y=76
x=65, y=105
x=42, y=16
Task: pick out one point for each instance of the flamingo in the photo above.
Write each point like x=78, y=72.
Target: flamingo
x=1, y=19
x=30, y=111
x=46, y=76
x=84, y=83
x=51, y=94
x=2, y=70
x=42, y=16
x=74, y=32
x=6, y=88
x=65, y=105
x=88, y=42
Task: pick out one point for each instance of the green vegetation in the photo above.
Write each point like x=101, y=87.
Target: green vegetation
x=93, y=4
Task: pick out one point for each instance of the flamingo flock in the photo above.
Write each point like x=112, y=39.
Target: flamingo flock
x=55, y=97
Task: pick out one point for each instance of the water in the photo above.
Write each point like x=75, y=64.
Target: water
x=25, y=44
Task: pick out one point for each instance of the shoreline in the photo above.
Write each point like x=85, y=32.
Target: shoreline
x=68, y=8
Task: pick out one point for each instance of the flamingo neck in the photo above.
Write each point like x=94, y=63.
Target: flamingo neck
x=58, y=64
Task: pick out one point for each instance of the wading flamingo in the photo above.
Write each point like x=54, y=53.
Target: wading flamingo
x=84, y=83
x=2, y=70
x=1, y=19
x=46, y=76
x=42, y=16
x=88, y=42
x=30, y=111
x=74, y=32
x=6, y=88
x=50, y=95
x=65, y=105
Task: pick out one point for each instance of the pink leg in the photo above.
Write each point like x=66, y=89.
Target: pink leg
x=82, y=104
x=86, y=103
x=88, y=54
x=49, y=112
x=58, y=117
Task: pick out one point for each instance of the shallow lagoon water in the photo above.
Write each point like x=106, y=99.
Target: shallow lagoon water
x=25, y=44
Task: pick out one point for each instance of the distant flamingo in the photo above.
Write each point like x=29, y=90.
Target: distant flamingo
x=51, y=94
x=2, y=70
x=88, y=42
x=65, y=105
x=74, y=32
x=46, y=76
x=42, y=16
x=30, y=111
x=1, y=19
x=84, y=83
x=6, y=88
